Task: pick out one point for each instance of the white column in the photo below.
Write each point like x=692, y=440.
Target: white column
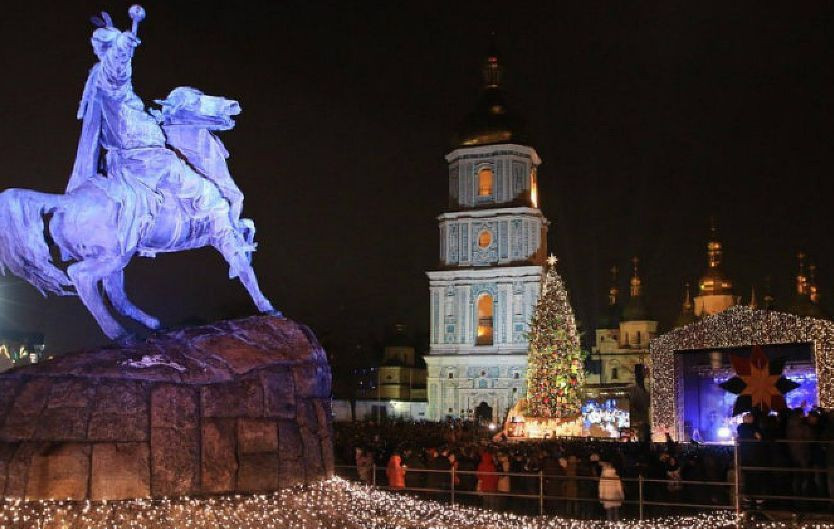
x=507, y=288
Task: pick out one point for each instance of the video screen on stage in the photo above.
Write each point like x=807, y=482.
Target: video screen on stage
x=603, y=417
x=708, y=408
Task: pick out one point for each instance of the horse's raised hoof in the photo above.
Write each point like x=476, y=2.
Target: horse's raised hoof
x=152, y=324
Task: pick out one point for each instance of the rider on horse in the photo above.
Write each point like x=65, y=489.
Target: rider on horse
x=142, y=184
x=137, y=151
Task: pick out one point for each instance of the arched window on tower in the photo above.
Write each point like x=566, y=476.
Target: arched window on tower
x=484, y=320
x=534, y=188
x=485, y=178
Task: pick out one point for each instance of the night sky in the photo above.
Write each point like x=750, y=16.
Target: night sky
x=649, y=118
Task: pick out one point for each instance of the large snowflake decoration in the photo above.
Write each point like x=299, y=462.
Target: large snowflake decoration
x=759, y=382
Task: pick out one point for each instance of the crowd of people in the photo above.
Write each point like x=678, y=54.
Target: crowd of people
x=802, y=444
x=577, y=478
x=595, y=478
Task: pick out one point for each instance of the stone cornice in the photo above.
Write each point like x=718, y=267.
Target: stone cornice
x=493, y=213
x=515, y=354
x=493, y=150
x=493, y=273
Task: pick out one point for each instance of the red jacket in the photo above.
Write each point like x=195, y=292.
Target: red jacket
x=489, y=482
x=396, y=473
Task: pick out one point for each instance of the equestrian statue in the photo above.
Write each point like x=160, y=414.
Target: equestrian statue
x=143, y=182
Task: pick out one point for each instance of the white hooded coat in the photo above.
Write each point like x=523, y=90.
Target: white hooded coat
x=610, y=487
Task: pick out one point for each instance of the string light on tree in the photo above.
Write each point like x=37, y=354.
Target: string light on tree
x=555, y=374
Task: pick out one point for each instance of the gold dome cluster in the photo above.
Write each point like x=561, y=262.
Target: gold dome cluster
x=714, y=282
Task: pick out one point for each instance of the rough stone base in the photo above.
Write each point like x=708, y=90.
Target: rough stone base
x=238, y=406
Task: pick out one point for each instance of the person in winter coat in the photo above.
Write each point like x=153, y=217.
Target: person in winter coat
x=828, y=435
x=440, y=471
x=816, y=424
x=571, y=489
x=516, y=468
x=503, y=484
x=454, y=466
x=487, y=479
x=395, y=472
x=414, y=478
x=466, y=468
x=610, y=492
x=800, y=434
x=587, y=489
x=749, y=438
x=365, y=465
x=554, y=476
x=674, y=478
x=531, y=482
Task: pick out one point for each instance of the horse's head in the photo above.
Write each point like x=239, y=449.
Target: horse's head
x=189, y=106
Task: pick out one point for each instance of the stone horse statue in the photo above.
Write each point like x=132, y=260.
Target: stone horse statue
x=143, y=182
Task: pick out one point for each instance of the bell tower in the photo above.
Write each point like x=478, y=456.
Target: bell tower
x=493, y=243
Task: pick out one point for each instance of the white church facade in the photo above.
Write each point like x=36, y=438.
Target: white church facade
x=493, y=242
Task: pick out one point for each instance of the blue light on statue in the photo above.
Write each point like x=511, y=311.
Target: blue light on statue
x=143, y=182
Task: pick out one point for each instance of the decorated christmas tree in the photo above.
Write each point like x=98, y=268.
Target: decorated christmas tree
x=555, y=374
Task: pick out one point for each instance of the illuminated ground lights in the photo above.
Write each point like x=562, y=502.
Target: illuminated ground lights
x=333, y=504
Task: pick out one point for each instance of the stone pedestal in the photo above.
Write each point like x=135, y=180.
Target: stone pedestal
x=237, y=406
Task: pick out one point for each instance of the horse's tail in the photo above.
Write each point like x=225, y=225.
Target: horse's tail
x=23, y=246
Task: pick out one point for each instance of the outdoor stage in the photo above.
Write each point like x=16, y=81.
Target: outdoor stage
x=688, y=363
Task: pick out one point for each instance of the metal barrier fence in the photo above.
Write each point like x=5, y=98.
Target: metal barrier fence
x=756, y=483
x=641, y=496
x=765, y=483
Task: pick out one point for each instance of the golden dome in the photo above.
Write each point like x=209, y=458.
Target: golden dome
x=491, y=121
x=635, y=309
x=805, y=302
x=610, y=319
x=714, y=282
